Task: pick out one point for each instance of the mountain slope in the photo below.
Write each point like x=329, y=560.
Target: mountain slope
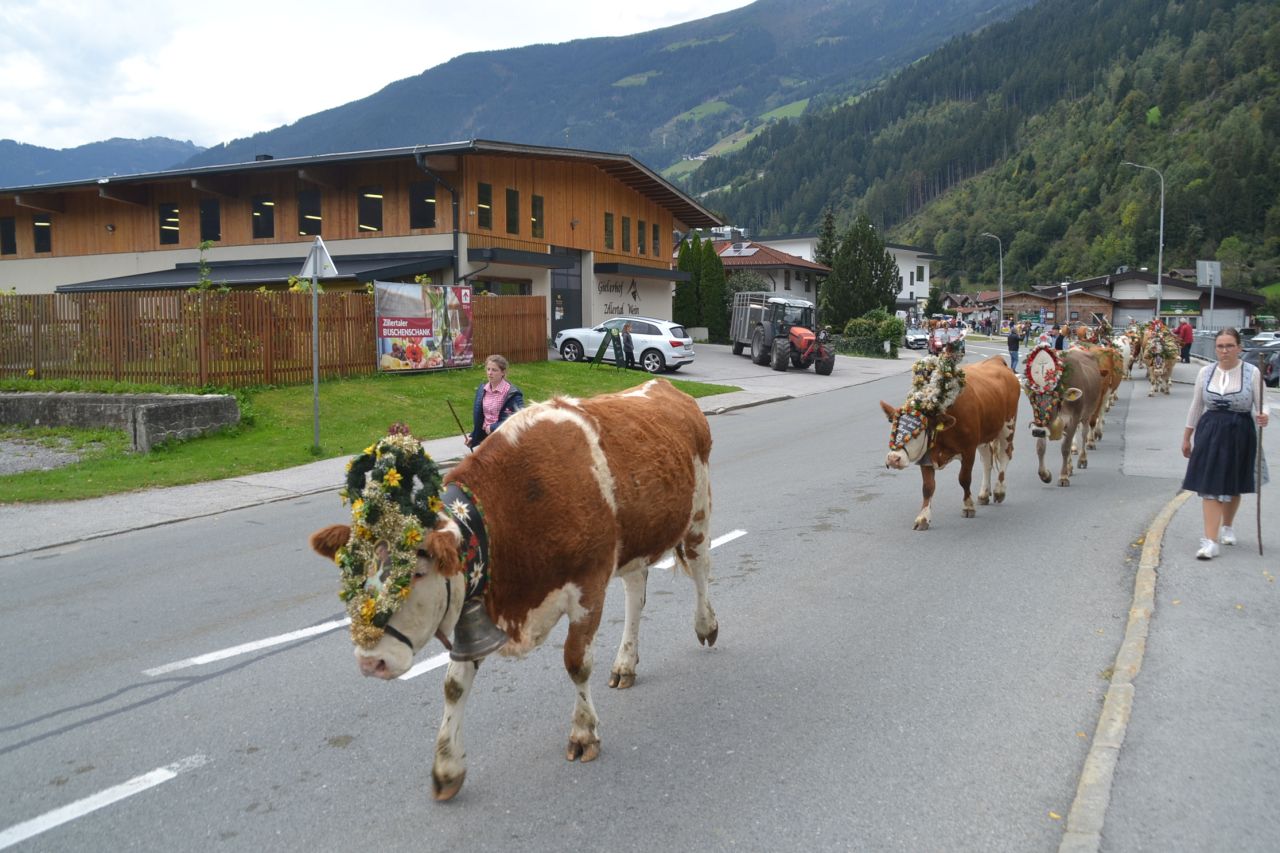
x=24, y=165
x=657, y=95
x=1013, y=132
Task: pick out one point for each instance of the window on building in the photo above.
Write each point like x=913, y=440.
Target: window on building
x=422, y=204
x=210, y=220
x=513, y=211
x=309, y=219
x=169, y=226
x=8, y=235
x=535, y=217
x=484, y=205
x=264, y=217
x=786, y=279
x=920, y=273
x=608, y=230
x=503, y=287
x=369, y=209
x=642, y=237
x=42, y=232
x=626, y=233
x=657, y=247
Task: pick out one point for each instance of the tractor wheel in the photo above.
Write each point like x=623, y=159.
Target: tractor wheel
x=824, y=366
x=759, y=354
x=781, y=354
x=797, y=361
x=738, y=348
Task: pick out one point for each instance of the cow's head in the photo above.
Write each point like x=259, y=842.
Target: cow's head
x=910, y=433
x=401, y=571
x=1044, y=381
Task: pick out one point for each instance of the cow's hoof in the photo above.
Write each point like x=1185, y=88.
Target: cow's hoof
x=969, y=513
x=998, y=497
x=1064, y=482
x=443, y=790
x=984, y=499
x=709, y=639
x=1083, y=463
x=622, y=680
x=921, y=524
x=584, y=751
x=1046, y=478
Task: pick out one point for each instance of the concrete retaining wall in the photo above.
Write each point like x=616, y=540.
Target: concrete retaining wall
x=148, y=419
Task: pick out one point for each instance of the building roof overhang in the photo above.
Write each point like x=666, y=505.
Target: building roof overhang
x=639, y=271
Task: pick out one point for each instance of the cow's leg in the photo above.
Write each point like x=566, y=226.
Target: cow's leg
x=1003, y=447
x=1068, y=438
x=929, y=479
x=1042, y=444
x=984, y=455
x=694, y=556
x=966, y=480
x=584, y=734
x=450, y=769
x=623, y=674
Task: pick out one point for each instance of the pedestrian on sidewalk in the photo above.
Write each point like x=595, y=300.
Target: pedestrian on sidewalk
x=1185, y=336
x=628, y=346
x=1226, y=403
x=1014, y=340
x=496, y=400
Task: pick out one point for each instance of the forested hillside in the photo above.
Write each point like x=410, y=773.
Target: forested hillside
x=658, y=95
x=24, y=165
x=1021, y=130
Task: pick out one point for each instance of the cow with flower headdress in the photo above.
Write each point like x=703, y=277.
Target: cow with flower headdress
x=1160, y=351
x=955, y=412
x=527, y=530
x=1065, y=389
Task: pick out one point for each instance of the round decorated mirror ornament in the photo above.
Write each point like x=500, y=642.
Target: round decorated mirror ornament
x=1044, y=372
x=394, y=491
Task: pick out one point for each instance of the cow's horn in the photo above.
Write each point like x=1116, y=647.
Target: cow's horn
x=475, y=636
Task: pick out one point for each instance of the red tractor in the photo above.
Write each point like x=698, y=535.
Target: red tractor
x=781, y=332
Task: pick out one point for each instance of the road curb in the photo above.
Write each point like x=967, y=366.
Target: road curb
x=1093, y=793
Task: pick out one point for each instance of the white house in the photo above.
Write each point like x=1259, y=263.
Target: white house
x=913, y=265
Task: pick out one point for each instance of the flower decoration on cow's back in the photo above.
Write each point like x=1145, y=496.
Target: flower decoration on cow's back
x=389, y=519
x=1043, y=373
x=936, y=382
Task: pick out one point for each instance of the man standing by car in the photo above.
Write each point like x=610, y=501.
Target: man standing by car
x=1014, y=340
x=1185, y=336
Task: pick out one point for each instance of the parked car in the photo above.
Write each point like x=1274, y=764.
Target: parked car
x=916, y=338
x=659, y=344
x=1261, y=339
x=1267, y=359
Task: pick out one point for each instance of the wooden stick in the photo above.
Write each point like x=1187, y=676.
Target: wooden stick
x=456, y=420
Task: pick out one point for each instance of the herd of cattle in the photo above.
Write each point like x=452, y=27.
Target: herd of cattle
x=1070, y=392
x=549, y=559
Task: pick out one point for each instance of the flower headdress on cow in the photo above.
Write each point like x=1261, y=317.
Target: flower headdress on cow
x=1042, y=373
x=936, y=382
x=389, y=519
x=1159, y=341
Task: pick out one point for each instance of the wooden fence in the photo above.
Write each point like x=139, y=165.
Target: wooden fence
x=225, y=339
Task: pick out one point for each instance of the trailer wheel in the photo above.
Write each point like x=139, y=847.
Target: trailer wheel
x=759, y=353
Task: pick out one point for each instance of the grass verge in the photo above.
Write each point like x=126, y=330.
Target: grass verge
x=276, y=431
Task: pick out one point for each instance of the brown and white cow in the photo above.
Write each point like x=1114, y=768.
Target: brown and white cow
x=573, y=492
x=1159, y=352
x=1065, y=390
x=981, y=420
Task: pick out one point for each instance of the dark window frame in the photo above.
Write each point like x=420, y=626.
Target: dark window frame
x=422, y=204
x=8, y=235
x=42, y=233
x=263, y=219
x=657, y=250
x=537, y=207
x=210, y=220
x=308, y=201
x=170, y=224
x=513, y=211
x=484, y=206
x=369, y=209
x=626, y=233
x=608, y=230
x=642, y=236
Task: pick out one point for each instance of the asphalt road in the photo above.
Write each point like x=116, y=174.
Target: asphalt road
x=872, y=688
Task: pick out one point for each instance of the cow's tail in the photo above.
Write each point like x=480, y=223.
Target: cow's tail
x=693, y=553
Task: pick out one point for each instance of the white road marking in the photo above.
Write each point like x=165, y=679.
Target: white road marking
x=418, y=669
x=443, y=658
x=248, y=647
x=31, y=828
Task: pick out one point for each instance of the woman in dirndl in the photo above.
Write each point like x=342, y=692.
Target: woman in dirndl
x=1226, y=404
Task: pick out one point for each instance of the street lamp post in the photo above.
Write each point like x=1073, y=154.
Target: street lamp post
x=1066, y=308
x=1160, y=250
x=1000, y=246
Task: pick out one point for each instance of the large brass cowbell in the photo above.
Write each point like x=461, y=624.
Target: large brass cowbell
x=475, y=636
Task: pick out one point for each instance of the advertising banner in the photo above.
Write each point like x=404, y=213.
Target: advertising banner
x=422, y=326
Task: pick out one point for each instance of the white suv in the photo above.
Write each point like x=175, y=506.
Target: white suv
x=659, y=344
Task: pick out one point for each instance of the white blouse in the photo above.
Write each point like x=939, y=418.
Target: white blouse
x=1222, y=382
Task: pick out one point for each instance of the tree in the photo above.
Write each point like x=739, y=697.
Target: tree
x=934, y=304
x=685, y=307
x=711, y=294
x=742, y=281
x=863, y=276
x=825, y=252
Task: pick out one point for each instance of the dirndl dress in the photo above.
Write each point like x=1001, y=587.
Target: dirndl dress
x=1225, y=443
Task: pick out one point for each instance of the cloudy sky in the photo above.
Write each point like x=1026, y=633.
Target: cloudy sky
x=79, y=71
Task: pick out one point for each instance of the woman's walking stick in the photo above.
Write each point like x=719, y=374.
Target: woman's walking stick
x=464, y=432
x=1257, y=476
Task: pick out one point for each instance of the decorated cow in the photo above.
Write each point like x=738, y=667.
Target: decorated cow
x=527, y=530
x=953, y=412
x=1160, y=350
x=1065, y=390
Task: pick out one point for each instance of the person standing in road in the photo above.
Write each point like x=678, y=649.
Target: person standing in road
x=1014, y=340
x=1224, y=407
x=1185, y=336
x=628, y=348
x=496, y=400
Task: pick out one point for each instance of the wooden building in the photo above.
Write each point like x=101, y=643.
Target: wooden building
x=592, y=232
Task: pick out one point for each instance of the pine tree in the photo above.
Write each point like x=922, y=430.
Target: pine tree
x=711, y=287
x=828, y=244
x=863, y=276
x=685, y=309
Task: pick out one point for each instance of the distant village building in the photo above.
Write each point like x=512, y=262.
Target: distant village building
x=785, y=273
x=590, y=231
x=913, y=266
